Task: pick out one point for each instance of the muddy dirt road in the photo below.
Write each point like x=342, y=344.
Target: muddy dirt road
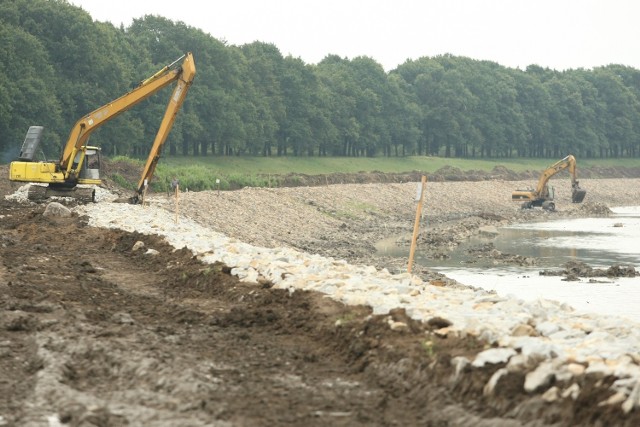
x=96, y=333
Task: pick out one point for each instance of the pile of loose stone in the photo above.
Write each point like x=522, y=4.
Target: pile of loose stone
x=552, y=343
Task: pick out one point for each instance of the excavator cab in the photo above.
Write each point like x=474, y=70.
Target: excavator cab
x=90, y=169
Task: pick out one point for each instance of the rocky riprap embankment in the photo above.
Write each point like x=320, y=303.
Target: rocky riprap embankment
x=554, y=347
x=256, y=232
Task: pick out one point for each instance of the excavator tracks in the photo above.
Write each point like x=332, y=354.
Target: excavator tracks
x=40, y=194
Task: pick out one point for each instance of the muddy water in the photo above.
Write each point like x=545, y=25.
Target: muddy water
x=599, y=242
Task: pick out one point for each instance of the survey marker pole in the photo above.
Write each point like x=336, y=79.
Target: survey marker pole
x=416, y=225
x=144, y=192
x=177, y=193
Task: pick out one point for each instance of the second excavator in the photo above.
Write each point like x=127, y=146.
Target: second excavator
x=543, y=194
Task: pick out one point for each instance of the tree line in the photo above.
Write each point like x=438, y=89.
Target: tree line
x=57, y=65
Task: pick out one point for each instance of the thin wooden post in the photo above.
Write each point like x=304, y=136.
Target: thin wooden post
x=416, y=225
x=177, y=192
x=144, y=192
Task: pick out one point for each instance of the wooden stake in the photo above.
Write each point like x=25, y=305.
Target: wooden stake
x=416, y=225
x=177, y=192
x=144, y=192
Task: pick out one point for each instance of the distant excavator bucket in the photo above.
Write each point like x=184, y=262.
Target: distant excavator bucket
x=578, y=195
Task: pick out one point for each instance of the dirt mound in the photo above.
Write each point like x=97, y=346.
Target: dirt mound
x=447, y=173
x=121, y=174
x=575, y=269
x=128, y=336
x=152, y=333
x=111, y=328
x=594, y=209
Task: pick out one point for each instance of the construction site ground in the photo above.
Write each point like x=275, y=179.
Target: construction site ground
x=93, y=333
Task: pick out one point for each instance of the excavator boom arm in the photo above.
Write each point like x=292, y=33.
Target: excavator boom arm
x=175, y=102
x=85, y=126
x=567, y=162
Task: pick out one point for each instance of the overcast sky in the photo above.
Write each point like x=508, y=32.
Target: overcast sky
x=559, y=34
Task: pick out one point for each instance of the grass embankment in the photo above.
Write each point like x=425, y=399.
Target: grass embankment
x=201, y=173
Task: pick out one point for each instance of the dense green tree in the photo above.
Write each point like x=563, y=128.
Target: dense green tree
x=27, y=96
x=402, y=116
x=160, y=42
x=57, y=65
x=535, y=104
x=341, y=100
x=267, y=114
x=298, y=83
x=584, y=115
x=422, y=76
x=618, y=115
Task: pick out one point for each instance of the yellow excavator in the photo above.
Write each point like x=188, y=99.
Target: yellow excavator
x=79, y=163
x=543, y=195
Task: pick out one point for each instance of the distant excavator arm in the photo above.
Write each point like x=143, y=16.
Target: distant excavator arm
x=567, y=162
x=541, y=196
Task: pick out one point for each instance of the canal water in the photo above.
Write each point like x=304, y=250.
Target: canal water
x=598, y=242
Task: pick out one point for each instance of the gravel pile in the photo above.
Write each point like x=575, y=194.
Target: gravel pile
x=346, y=220
x=548, y=344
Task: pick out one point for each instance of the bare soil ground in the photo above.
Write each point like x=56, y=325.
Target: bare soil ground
x=93, y=333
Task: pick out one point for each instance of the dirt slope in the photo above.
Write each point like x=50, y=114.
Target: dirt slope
x=95, y=333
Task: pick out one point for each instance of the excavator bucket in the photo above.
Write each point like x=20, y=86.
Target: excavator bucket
x=578, y=194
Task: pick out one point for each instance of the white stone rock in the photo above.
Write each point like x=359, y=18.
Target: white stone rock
x=573, y=391
x=599, y=369
x=493, y=356
x=633, y=401
x=459, y=363
x=490, y=386
x=518, y=363
x=572, y=340
x=540, y=378
x=523, y=330
x=398, y=326
x=551, y=395
x=576, y=369
x=137, y=245
x=614, y=399
x=547, y=328
x=625, y=367
x=625, y=385
x=57, y=209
